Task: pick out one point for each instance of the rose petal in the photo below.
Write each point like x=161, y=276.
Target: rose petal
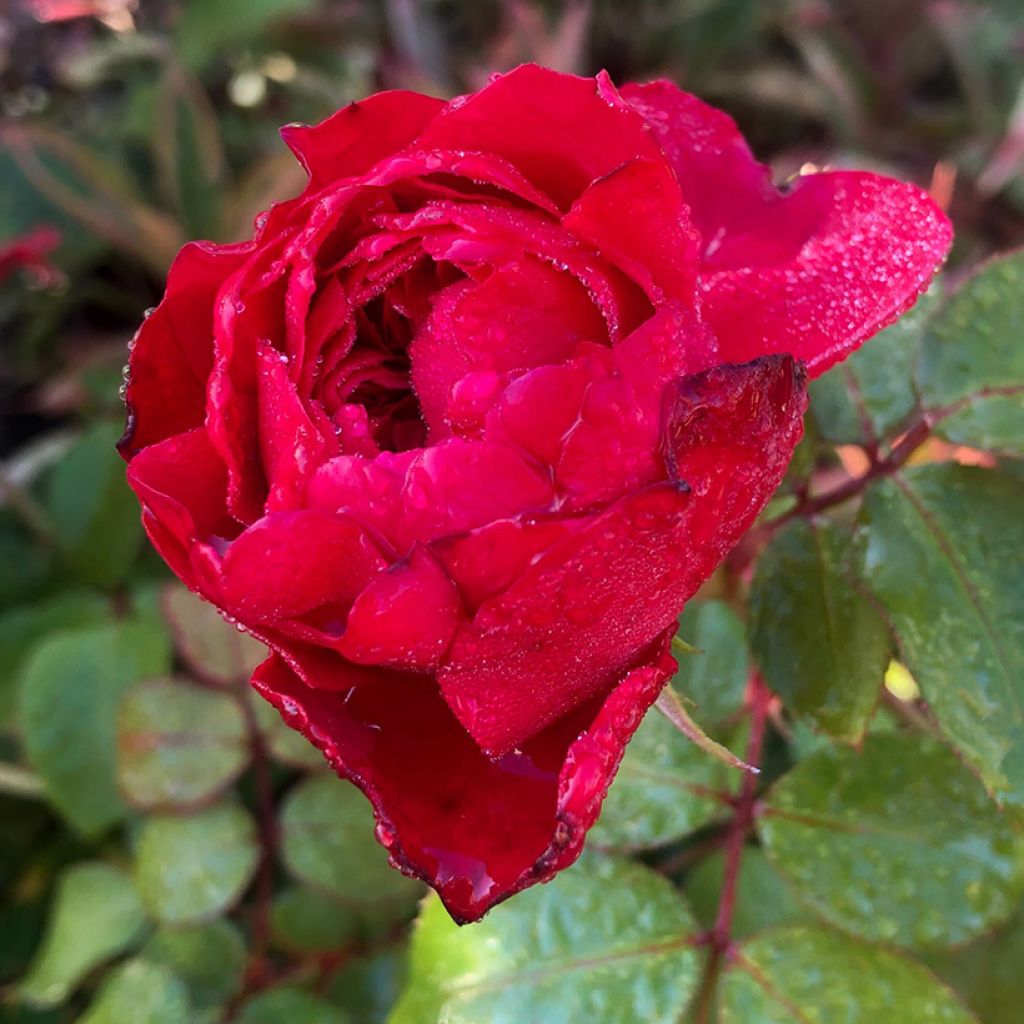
x=636, y=218
x=476, y=830
x=181, y=483
x=524, y=314
x=292, y=446
x=289, y=563
x=531, y=117
x=405, y=618
x=566, y=628
x=172, y=353
x=355, y=138
x=812, y=272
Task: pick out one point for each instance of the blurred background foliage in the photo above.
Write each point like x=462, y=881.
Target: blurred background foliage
x=172, y=826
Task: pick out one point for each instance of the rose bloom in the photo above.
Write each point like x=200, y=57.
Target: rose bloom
x=467, y=422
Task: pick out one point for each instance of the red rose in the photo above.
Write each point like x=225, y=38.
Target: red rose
x=467, y=422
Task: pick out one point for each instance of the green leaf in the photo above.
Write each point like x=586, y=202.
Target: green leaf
x=209, y=958
x=96, y=915
x=304, y=921
x=206, y=26
x=942, y=549
x=27, y=566
x=867, y=397
x=716, y=678
x=664, y=789
x=606, y=941
x=283, y=742
x=194, y=867
x=70, y=689
x=289, y=1006
x=972, y=360
x=366, y=988
x=804, y=975
x=820, y=644
x=763, y=899
x=327, y=840
x=987, y=973
x=213, y=649
x=898, y=842
x=140, y=992
x=94, y=514
x=178, y=744
x=22, y=627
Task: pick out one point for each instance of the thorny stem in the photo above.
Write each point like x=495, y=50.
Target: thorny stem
x=719, y=939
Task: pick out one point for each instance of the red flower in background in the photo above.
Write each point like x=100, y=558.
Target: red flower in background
x=31, y=252
x=467, y=422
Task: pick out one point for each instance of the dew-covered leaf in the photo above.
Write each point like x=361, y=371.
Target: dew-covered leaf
x=820, y=644
x=897, y=842
x=192, y=868
x=208, y=957
x=70, y=689
x=213, y=649
x=763, y=899
x=95, y=516
x=808, y=975
x=327, y=840
x=987, y=973
x=140, y=992
x=606, y=941
x=942, y=551
x=290, y=1006
x=972, y=361
x=714, y=679
x=178, y=744
x=868, y=396
x=664, y=789
x=95, y=916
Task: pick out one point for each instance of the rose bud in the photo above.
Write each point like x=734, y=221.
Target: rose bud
x=464, y=425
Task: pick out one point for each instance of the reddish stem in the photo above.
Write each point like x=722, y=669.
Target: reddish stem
x=719, y=939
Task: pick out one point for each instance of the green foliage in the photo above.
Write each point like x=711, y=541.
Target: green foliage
x=95, y=517
x=822, y=646
x=664, y=790
x=785, y=968
x=96, y=915
x=972, y=362
x=291, y=1005
x=942, y=553
x=144, y=993
x=715, y=678
x=209, y=958
x=70, y=690
x=897, y=842
x=178, y=744
x=327, y=840
x=607, y=940
x=192, y=868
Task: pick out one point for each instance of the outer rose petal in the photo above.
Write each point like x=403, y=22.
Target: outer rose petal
x=182, y=486
x=813, y=271
x=351, y=141
x=561, y=131
x=173, y=350
x=476, y=830
x=567, y=627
